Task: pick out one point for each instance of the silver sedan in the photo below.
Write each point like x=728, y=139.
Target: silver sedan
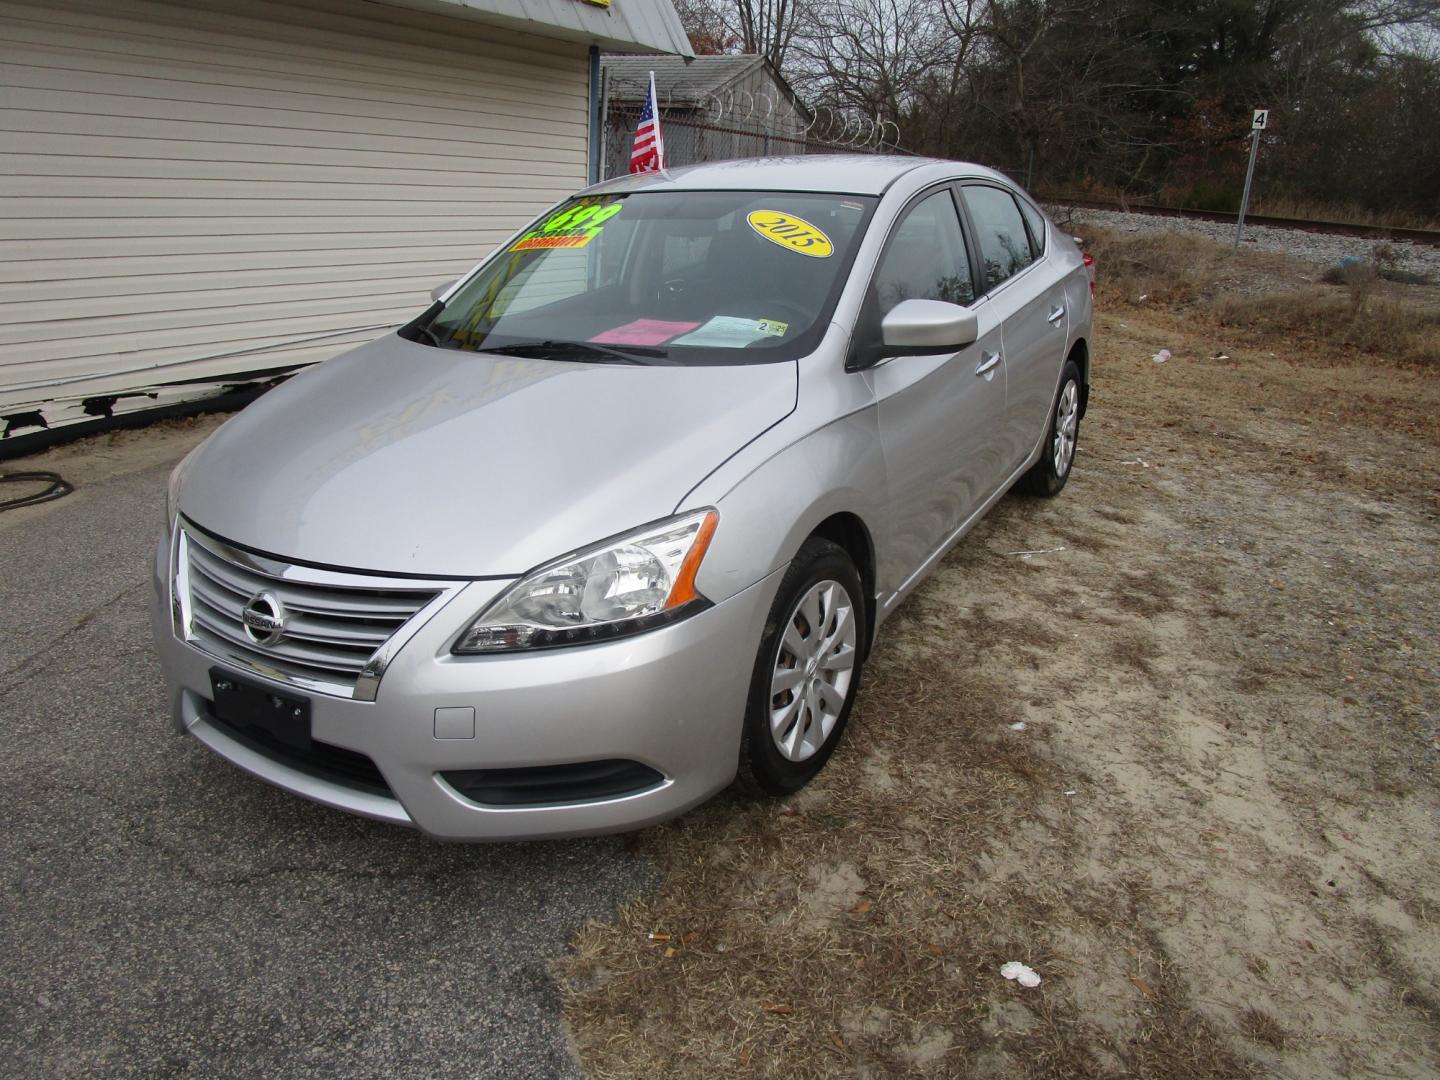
x=623, y=511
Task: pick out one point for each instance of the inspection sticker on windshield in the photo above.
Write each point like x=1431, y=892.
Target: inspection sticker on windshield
x=791, y=232
x=732, y=332
x=572, y=226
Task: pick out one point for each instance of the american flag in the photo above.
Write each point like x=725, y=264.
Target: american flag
x=648, y=153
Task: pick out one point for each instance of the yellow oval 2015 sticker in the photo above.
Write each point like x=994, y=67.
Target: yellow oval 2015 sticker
x=791, y=232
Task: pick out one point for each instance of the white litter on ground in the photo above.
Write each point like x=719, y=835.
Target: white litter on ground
x=1018, y=726
x=1021, y=973
x=1161, y=356
x=1039, y=551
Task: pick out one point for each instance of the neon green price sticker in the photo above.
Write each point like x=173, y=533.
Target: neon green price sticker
x=572, y=226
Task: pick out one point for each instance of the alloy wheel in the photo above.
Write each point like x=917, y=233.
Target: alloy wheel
x=1067, y=421
x=813, y=670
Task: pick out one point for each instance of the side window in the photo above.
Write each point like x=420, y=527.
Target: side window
x=1036, y=221
x=1000, y=231
x=926, y=257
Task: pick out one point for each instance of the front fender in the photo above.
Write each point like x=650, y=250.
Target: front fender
x=823, y=459
x=767, y=512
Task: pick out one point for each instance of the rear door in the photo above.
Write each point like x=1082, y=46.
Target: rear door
x=940, y=417
x=1029, y=300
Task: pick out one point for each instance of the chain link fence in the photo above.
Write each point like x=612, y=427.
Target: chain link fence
x=717, y=130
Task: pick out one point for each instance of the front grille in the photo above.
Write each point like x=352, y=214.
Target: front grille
x=320, y=760
x=334, y=623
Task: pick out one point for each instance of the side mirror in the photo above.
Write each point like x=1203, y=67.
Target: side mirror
x=915, y=327
x=440, y=290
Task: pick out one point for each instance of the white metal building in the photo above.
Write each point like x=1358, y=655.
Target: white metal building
x=199, y=193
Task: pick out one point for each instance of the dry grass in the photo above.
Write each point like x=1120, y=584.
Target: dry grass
x=1350, y=213
x=858, y=926
x=1383, y=263
x=1352, y=320
x=1263, y=1028
x=1135, y=651
x=804, y=935
x=1173, y=269
x=1269, y=297
x=1149, y=593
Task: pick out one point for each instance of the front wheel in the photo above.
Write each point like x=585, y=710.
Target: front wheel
x=1048, y=475
x=807, y=672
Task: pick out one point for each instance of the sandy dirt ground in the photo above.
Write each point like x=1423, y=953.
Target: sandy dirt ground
x=1169, y=739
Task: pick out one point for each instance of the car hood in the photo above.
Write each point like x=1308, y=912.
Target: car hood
x=402, y=458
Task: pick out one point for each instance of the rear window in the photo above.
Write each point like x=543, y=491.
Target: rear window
x=1000, y=231
x=1036, y=221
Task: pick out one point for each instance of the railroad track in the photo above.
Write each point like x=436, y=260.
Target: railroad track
x=1334, y=228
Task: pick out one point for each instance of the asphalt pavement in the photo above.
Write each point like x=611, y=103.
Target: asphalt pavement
x=164, y=914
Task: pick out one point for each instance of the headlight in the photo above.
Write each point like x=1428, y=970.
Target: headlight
x=619, y=587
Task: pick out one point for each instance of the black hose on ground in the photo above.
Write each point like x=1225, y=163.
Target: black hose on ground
x=58, y=488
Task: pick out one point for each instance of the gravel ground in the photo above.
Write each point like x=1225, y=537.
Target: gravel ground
x=1320, y=249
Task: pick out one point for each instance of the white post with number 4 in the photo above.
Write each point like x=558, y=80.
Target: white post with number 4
x=1257, y=125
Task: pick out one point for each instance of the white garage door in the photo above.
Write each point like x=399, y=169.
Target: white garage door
x=193, y=191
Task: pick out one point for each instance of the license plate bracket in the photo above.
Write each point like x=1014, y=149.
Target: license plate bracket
x=261, y=712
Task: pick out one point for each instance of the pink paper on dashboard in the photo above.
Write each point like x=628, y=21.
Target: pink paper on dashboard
x=643, y=332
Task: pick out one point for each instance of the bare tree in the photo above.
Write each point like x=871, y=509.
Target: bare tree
x=1144, y=96
x=768, y=27
x=871, y=56
x=763, y=27
x=709, y=30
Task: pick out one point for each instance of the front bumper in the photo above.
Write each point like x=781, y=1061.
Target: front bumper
x=672, y=699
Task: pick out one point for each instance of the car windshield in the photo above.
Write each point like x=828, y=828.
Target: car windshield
x=695, y=277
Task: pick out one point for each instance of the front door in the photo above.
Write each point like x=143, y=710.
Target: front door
x=940, y=416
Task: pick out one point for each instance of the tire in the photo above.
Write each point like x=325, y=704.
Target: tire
x=766, y=766
x=1047, y=476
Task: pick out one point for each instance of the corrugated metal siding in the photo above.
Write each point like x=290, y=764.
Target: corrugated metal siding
x=192, y=190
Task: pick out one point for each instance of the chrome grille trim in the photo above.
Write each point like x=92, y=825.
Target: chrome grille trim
x=342, y=629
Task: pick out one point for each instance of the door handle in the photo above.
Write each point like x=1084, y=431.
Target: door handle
x=987, y=363
x=1056, y=314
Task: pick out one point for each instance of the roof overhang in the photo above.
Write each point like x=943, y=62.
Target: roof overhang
x=622, y=26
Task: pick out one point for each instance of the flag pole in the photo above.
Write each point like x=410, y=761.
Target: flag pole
x=659, y=131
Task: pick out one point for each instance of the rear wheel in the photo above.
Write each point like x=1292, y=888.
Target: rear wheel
x=807, y=671
x=1048, y=475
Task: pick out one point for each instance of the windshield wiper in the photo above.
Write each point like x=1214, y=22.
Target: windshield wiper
x=551, y=349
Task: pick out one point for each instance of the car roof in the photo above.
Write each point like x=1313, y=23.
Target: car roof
x=849, y=174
